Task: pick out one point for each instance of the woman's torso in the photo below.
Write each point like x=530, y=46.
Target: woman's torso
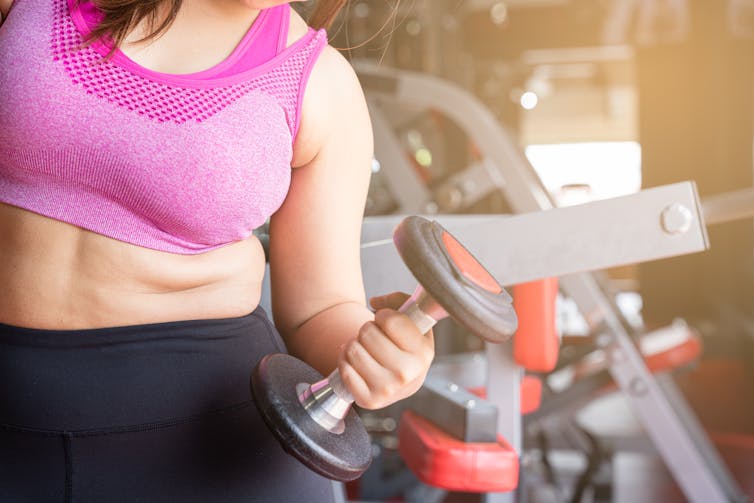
x=61, y=276
x=58, y=276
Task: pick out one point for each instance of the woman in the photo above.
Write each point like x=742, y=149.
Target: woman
x=140, y=144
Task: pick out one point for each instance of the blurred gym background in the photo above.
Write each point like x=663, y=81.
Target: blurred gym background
x=605, y=97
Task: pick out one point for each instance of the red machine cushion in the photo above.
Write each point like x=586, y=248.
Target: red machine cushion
x=536, y=342
x=441, y=460
x=676, y=355
x=531, y=394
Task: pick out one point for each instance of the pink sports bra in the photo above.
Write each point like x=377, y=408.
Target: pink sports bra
x=177, y=163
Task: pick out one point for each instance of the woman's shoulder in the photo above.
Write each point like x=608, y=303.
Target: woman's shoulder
x=329, y=62
x=333, y=97
x=333, y=100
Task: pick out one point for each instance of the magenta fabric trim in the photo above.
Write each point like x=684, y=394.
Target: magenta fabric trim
x=302, y=88
x=85, y=17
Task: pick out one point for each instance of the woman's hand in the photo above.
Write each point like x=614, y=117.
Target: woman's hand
x=389, y=359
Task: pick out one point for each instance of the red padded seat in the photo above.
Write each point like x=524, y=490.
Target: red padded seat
x=441, y=460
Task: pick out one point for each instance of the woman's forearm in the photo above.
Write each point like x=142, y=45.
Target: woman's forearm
x=320, y=340
x=382, y=357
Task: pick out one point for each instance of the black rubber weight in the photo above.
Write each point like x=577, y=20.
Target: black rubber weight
x=488, y=315
x=341, y=457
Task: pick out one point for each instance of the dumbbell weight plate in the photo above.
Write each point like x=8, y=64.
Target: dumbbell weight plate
x=341, y=457
x=455, y=279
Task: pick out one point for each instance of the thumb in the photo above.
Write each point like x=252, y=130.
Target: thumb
x=390, y=301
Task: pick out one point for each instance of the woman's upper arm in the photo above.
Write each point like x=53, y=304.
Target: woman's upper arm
x=315, y=235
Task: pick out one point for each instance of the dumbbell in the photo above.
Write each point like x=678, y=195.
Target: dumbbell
x=315, y=422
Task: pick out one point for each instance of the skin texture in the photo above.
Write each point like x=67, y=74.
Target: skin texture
x=5, y=7
x=55, y=275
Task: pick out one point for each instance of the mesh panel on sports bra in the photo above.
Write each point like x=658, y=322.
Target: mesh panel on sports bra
x=189, y=100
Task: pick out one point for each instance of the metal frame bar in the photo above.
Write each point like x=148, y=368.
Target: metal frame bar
x=405, y=185
x=562, y=241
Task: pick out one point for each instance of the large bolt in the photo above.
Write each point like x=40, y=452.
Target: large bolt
x=676, y=219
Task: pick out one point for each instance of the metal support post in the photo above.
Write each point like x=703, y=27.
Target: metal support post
x=504, y=392
x=691, y=468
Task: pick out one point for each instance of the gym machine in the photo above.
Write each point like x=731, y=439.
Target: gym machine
x=663, y=413
x=516, y=247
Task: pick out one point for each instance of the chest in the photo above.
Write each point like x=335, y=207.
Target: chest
x=196, y=40
x=187, y=157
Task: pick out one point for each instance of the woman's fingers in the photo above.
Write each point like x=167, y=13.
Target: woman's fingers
x=378, y=384
x=403, y=331
x=390, y=301
x=389, y=358
x=354, y=382
x=386, y=353
x=366, y=365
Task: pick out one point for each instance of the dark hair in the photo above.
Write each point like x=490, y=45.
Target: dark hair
x=121, y=16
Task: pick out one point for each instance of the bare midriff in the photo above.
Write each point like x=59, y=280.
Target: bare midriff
x=54, y=275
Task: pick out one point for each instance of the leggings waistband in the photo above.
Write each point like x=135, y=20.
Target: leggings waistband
x=131, y=376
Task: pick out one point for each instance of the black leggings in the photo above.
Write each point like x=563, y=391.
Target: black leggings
x=144, y=413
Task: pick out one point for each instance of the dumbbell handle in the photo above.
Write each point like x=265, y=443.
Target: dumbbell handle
x=329, y=400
